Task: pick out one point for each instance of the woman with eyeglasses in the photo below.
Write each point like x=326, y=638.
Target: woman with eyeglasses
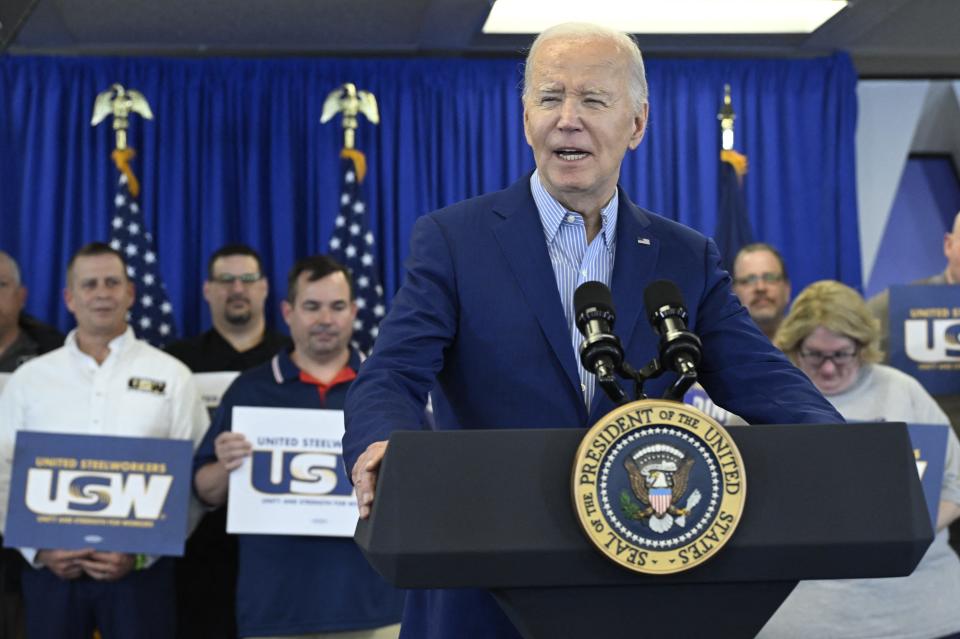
x=833, y=338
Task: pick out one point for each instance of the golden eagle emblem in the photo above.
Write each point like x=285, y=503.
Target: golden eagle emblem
x=658, y=477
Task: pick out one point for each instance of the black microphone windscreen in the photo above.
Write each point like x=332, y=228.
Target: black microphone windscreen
x=592, y=295
x=662, y=293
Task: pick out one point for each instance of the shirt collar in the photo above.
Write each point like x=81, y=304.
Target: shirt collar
x=284, y=370
x=115, y=345
x=552, y=213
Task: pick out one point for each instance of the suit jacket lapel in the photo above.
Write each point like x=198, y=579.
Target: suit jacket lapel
x=521, y=238
x=636, y=258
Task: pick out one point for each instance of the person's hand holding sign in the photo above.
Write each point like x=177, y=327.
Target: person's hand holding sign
x=211, y=481
x=231, y=448
x=107, y=566
x=66, y=564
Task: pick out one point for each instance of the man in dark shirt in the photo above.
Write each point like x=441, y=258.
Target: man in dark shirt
x=21, y=338
x=236, y=291
x=761, y=282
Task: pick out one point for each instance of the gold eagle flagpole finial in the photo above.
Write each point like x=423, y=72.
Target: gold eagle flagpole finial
x=121, y=102
x=347, y=100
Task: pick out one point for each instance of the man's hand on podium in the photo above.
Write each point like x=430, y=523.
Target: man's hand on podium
x=365, y=476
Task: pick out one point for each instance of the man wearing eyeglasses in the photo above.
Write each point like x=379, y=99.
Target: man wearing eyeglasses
x=236, y=291
x=760, y=281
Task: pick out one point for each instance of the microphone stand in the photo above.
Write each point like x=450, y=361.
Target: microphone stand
x=652, y=370
x=610, y=386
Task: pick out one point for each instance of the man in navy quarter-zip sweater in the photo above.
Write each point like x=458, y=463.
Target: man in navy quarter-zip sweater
x=288, y=585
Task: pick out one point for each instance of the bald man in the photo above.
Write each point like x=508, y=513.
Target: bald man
x=21, y=336
x=879, y=304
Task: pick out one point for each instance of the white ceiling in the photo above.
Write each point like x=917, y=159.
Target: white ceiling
x=887, y=38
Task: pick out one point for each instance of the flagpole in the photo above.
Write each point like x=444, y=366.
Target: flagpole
x=733, y=230
x=726, y=117
x=151, y=315
x=352, y=243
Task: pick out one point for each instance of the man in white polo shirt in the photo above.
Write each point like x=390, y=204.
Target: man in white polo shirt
x=85, y=387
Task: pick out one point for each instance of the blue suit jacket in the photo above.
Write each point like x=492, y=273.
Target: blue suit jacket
x=480, y=314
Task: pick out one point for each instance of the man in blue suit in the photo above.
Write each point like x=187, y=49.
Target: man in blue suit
x=486, y=311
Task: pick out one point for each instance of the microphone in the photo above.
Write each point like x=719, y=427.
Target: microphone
x=600, y=351
x=679, y=348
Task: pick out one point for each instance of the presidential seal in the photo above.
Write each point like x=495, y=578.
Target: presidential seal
x=658, y=486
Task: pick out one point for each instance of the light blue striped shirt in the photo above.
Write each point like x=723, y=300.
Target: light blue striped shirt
x=574, y=261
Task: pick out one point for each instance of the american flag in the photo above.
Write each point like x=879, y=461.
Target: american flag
x=151, y=315
x=353, y=245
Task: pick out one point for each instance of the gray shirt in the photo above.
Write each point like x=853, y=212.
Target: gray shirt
x=924, y=605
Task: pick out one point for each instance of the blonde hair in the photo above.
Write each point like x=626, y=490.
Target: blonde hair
x=582, y=30
x=837, y=308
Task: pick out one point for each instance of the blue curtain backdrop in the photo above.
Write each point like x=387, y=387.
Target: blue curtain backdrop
x=237, y=153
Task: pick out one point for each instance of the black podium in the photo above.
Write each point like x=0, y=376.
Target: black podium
x=493, y=509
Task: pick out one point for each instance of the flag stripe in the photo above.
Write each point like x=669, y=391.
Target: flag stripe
x=151, y=315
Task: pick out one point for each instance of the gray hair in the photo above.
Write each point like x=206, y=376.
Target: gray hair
x=623, y=41
x=13, y=266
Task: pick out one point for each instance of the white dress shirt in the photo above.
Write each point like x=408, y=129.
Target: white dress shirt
x=66, y=391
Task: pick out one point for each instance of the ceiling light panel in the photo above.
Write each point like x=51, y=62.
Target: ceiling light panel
x=665, y=16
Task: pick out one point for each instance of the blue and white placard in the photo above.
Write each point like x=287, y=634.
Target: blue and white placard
x=294, y=483
x=122, y=494
x=925, y=335
x=697, y=397
x=930, y=448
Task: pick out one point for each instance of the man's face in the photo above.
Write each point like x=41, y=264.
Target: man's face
x=579, y=118
x=99, y=295
x=232, y=299
x=12, y=298
x=951, y=250
x=321, y=317
x=759, y=283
